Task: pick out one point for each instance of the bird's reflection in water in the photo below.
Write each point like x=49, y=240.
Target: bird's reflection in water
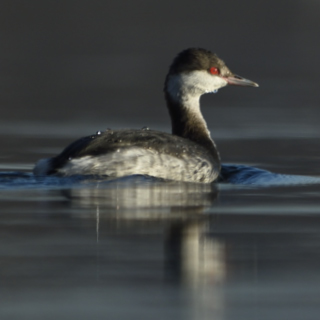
x=132, y=199
x=197, y=261
x=192, y=257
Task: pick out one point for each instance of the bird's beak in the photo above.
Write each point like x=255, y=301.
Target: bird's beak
x=239, y=81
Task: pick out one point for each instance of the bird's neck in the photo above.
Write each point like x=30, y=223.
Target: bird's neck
x=186, y=117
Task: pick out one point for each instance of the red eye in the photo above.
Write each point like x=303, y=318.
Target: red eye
x=214, y=70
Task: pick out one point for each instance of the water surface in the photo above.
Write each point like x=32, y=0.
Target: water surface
x=244, y=248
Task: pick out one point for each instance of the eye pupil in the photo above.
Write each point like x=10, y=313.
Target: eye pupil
x=214, y=70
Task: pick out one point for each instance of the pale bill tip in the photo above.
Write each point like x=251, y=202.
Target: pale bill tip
x=239, y=81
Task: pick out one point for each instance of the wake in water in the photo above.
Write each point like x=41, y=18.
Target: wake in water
x=15, y=179
x=246, y=175
x=230, y=174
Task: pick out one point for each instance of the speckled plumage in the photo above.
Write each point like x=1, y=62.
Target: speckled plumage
x=121, y=152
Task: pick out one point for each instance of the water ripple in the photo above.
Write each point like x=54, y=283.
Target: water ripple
x=230, y=174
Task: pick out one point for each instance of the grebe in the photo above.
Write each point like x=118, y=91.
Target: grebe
x=188, y=154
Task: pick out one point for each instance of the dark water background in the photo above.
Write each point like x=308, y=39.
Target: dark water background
x=143, y=249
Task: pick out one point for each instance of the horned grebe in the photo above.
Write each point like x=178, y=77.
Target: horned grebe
x=188, y=154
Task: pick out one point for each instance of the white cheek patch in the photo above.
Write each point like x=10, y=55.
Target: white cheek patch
x=194, y=83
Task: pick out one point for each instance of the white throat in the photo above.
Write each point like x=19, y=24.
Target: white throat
x=191, y=85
